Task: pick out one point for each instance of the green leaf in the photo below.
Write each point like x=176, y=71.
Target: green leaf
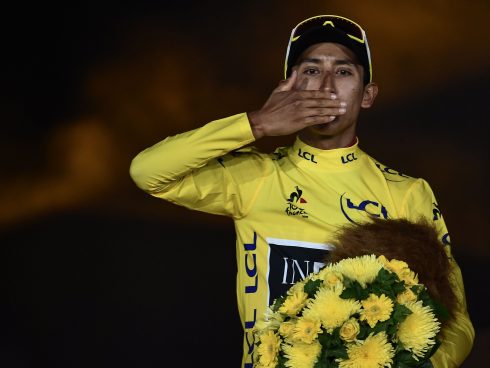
x=323, y=361
x=349, y=293
x=400, y=312
x=354, y=291
x=439, y=309
x=391, y=330
x=399, y=287
x=324, y=339
x=332, y=364
x=336, y=335
x=339, y=352
x=432, y=350
x=381, y=326
x=386, y=277
x=311, y=287
x=364, y=330
x=277, y=303
x=399, y=347
x=404, y=359
x=281, y=361
x=387, y=283
x=320, y=364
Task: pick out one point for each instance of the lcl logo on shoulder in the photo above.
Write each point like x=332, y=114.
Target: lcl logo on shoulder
x=348, y=158
x=390, y=171
x=307, y=156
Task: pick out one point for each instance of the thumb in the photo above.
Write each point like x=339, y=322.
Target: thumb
x=287, y=84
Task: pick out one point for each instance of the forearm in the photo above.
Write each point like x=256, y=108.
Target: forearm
x=175, y=156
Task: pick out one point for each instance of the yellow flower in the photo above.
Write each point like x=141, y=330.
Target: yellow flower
x=268, y=349
x=329, y=275
x=332, y=279
x=402, y=270
x=349, y=330
x=376, y=309
x=330, y=309
x=292, y=331
x=271, y=365
x=270, y=321
x=286, y=329
x=294, y=302
x=408, y=276
x=306, y=330
x=418, y=331
x=364, y=268
x=302, y=355
x=298, y=286
x=407, y=296
x=374, y=352
x=319, y=275
x=393, y=265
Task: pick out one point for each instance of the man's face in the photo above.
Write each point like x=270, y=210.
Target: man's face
x=333, y=67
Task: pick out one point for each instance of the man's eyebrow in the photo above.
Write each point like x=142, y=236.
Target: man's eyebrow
x=318, y=61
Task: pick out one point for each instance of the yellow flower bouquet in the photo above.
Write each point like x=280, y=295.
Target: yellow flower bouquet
x=364, y=311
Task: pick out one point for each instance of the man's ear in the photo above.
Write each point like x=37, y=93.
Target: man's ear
x=369, y=95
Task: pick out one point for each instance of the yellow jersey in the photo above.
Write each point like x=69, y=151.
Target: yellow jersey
x=286, y=205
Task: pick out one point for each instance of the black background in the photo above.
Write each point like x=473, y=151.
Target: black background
x=98, y=274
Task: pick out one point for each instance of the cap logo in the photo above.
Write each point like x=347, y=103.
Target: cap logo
x=327, y=22
x=355, y=38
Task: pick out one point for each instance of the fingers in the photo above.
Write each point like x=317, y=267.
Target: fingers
x=311, y=112
x=321, y=112
x=287, y=84
x=308, y=101
x=304, y=84
x=316, y=94
x=314, y=120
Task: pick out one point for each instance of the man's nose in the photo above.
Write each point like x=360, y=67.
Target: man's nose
x=328, y=83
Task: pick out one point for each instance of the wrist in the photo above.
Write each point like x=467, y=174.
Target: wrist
x=255, y=124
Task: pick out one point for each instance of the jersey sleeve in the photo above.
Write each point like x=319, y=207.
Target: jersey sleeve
x=458, y=334
x=200, y=170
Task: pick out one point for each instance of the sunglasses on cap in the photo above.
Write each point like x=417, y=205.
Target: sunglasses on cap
x=345, y=25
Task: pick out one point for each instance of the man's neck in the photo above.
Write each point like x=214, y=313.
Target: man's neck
x=328, y=143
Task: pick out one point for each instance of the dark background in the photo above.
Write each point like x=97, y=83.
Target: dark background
x=95, y=273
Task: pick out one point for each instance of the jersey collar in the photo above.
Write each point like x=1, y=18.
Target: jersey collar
x=309, y=157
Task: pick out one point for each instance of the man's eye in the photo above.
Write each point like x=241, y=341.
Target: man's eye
x=344, y=72
x=310, y=71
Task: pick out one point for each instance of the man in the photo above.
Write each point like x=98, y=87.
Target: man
x=286, y=205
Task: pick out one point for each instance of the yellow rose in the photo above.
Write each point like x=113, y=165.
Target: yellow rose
x=408, y=276
x=407, y=296
x=401, y=268
x=349, y=330
x=394, y=265
x=286, y=329
x=332, y=278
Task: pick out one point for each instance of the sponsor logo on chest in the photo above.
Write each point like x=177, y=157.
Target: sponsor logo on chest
x=295, y=204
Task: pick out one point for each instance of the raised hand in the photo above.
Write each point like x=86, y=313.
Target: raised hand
x=290, y=109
